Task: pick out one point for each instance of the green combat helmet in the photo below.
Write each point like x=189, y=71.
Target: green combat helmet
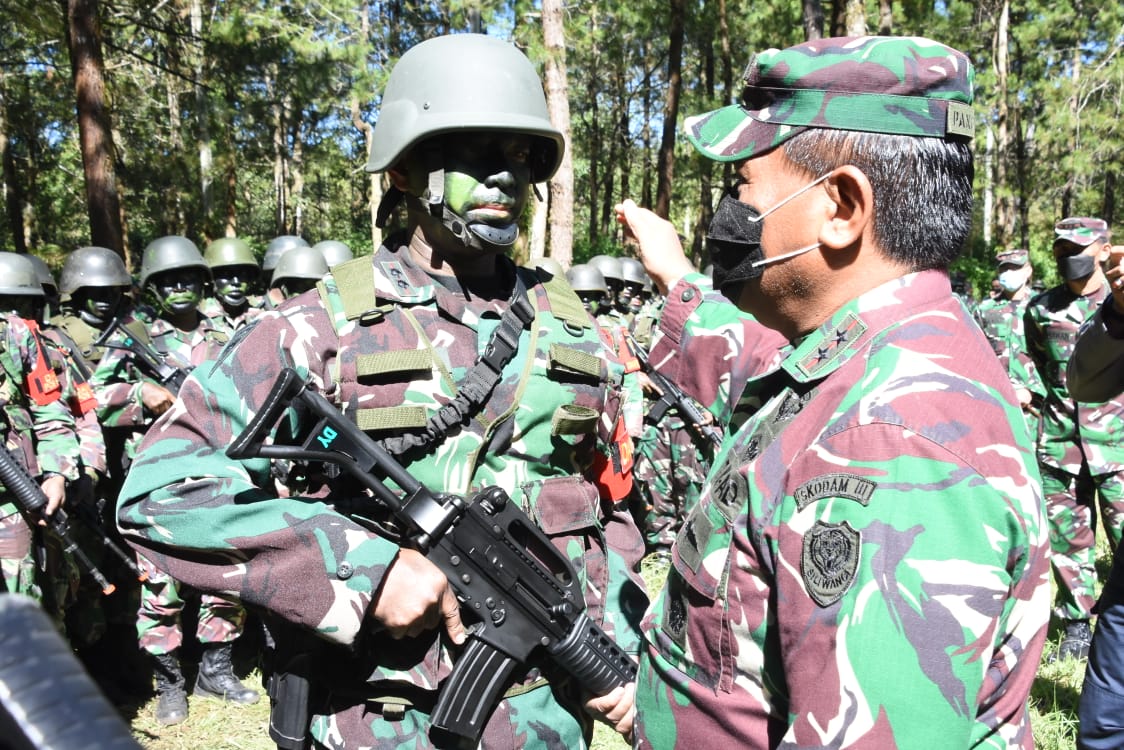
x=93, y=267
x=299, y=270
x=94, y=279
x=170, y=253
x=455, y=84
x=334, y=252
x=43, y=273
x=18, y=276
x=234, y=270
x=589, y=284
x=229, y=251
x=277, y=247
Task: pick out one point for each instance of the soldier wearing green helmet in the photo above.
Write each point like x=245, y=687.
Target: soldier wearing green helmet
x=39, y=432
x=589, y=283
x=277, y=247
x=298, y=271
x=173, y=273
x=841, y=582
x=462, y=131
x=234, y=275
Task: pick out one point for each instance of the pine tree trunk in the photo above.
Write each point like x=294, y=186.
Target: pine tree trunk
x=94, y=134
x=665, y=163
x=561, y=221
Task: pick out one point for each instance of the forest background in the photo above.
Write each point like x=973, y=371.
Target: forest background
x=125, y=120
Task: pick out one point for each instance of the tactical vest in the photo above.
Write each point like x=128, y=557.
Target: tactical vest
x=364, y=368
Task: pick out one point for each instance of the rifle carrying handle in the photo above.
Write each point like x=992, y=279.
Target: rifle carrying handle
x=249, y=442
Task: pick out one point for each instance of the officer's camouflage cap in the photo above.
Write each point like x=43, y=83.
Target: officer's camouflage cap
x=1081, y=230
x=1013, y=257
x=895, y=85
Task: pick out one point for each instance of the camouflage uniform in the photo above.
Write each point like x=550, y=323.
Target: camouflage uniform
x=753, y=559
x=224, y=319
x=867, y=565
x=158, y=620
x=672, y=459
x=1001, y=320
x=1078, y=449
x=334, y=564
x=40, y=428
x=1096, y=372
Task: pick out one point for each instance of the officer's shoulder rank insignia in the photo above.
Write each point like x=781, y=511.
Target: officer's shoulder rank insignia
x=830, y=561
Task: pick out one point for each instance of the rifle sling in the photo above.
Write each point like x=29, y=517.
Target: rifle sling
x=478, y=382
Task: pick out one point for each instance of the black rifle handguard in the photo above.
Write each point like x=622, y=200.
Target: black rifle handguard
x=517, y=587
x=673, y=396
x=29, y=496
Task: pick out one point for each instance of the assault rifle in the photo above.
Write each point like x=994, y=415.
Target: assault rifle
x=29, y=496
x=151, y=362
x=519, y=593
x=672, y=397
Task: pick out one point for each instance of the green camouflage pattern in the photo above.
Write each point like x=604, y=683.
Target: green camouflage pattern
x=218, y=525
x=894, y=85
x=44, y=438
x=1079, y=447
x=670, y=467
x=1073, y=434
x=868, y=563
x=231, y=320
x=738, y=352
x=1002, y=323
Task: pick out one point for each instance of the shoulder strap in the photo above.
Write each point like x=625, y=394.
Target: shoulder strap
x=478, y=382
x=564, y=301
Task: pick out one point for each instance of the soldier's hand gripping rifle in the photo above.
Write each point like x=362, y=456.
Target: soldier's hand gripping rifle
x=154, y=364
x=29, y=496
x=520, y=592
x=672, y=397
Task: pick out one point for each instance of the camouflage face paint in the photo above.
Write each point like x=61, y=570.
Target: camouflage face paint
x=487, y=176
x=178, y=291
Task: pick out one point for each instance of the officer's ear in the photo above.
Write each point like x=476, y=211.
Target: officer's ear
x=851, y=210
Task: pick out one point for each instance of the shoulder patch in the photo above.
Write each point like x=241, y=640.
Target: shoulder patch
x=829, y=563
x=850, y=486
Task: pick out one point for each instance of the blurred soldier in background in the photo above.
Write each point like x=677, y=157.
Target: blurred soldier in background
x=334, y=252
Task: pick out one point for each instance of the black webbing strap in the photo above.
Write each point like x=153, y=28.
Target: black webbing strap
x=479, y=381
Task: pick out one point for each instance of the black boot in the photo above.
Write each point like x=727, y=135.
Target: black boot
x=216, y=677
x=1075, y=644
x=171, y=703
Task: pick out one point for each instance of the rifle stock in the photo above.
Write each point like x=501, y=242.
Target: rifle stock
x=520, y=592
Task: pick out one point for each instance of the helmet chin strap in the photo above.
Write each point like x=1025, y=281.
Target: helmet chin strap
x=472, y=234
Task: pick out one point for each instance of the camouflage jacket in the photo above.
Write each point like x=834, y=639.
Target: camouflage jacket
x=213, y=308
x=867, y=565
x=713, y=350
x=216, y=524
x=36, y=416
x=1096, y=370
x=1002, y=322
x=1071, y=432
x=116, y=379
x=194, y=347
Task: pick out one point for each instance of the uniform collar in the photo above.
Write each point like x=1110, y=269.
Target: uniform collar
x=854, y=324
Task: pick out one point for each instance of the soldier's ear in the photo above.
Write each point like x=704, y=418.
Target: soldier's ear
x=399, y=178
x=850, y=212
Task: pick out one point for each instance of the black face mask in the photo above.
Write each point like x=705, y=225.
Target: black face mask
x=734, y=241
x=1074, y=267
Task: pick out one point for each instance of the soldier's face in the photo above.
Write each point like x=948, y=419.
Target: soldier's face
x=178, y=291
x=487, y=175
x=22, y=306
x=232, y=283
x=96, y=305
